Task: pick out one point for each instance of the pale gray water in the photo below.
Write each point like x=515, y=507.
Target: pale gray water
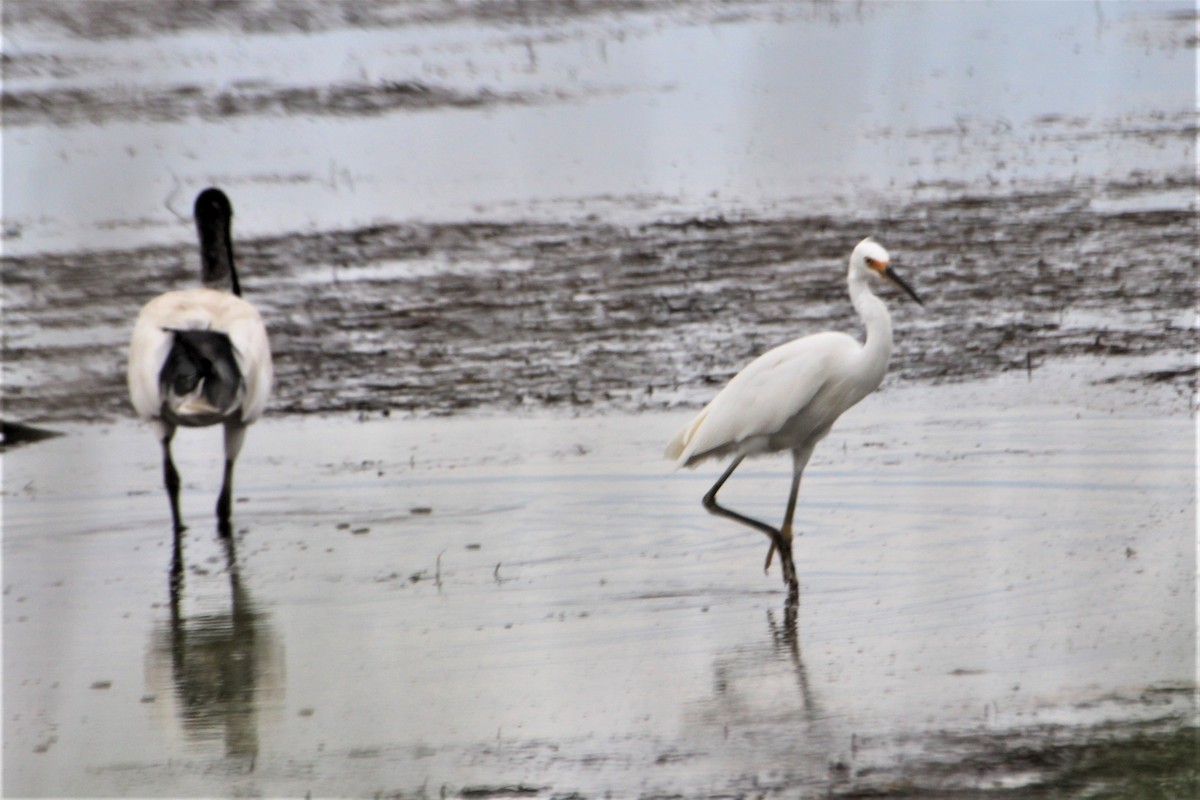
x=998, y=559
x=682, y=107
x=541, y=602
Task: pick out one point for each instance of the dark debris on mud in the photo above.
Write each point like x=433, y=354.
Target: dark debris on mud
x=592, y=314
x=81, y=101
x=78, y=105
x=120, y=19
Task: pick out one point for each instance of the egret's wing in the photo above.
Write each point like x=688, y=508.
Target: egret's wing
x=762, y=397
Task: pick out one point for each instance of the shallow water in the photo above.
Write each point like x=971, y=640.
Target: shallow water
x=540, y=603
x=321, y=119
x=502, y=248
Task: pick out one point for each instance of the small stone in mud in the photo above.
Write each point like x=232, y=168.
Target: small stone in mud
x=474, y=546
x=343, y=526
x=102, y=685
x=306, y=712
x=421, y=510
x=148, y=698
x=360, y=531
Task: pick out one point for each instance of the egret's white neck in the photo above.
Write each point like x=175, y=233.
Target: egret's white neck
x=878, y=347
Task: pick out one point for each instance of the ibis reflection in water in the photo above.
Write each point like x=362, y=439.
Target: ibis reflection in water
x=216, y=673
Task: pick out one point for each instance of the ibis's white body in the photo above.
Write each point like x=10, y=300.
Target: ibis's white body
x=198, y=309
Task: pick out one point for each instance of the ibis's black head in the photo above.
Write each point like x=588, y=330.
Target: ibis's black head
x=212, y=206
x=213, y=213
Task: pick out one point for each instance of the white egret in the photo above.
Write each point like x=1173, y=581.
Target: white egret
x=789, y=397
x=200, y=356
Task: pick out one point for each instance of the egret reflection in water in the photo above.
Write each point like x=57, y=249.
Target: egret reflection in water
x=220, y=671
x=762, y=719
x=762, y=678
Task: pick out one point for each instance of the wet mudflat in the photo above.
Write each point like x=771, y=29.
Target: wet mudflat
x=996, y=592
x=441, y=318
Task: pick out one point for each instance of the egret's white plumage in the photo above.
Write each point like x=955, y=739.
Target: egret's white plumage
x=199, y=357
x=789, y=397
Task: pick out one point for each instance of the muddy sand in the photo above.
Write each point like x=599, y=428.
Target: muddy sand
x=439, y=318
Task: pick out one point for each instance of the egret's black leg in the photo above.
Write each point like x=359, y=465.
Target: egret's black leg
x=171, y=480
x=799, y=462
x=785, y=536
x=778, y=542
x=786, y=529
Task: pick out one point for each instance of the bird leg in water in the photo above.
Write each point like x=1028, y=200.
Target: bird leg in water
x=778, y=540
x=235, y=435
x=225, y=500
x=785, y=532
x=171, y=480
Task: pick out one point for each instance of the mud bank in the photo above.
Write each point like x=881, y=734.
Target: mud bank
x=443, y=318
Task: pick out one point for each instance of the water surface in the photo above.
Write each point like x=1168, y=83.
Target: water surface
x=540, y=602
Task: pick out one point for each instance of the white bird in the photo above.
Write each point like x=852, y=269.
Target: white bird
x=200, y=356
x=789, y=397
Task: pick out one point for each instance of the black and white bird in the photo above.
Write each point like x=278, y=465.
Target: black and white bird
x=200, y=356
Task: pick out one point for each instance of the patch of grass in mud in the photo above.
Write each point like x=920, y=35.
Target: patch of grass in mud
x=1162, y=765
x=1146, y=767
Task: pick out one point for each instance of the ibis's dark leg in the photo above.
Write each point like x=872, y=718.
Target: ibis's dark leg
x=171, y=479
x=778, y=542
x=235, y=434
x=225, y=500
